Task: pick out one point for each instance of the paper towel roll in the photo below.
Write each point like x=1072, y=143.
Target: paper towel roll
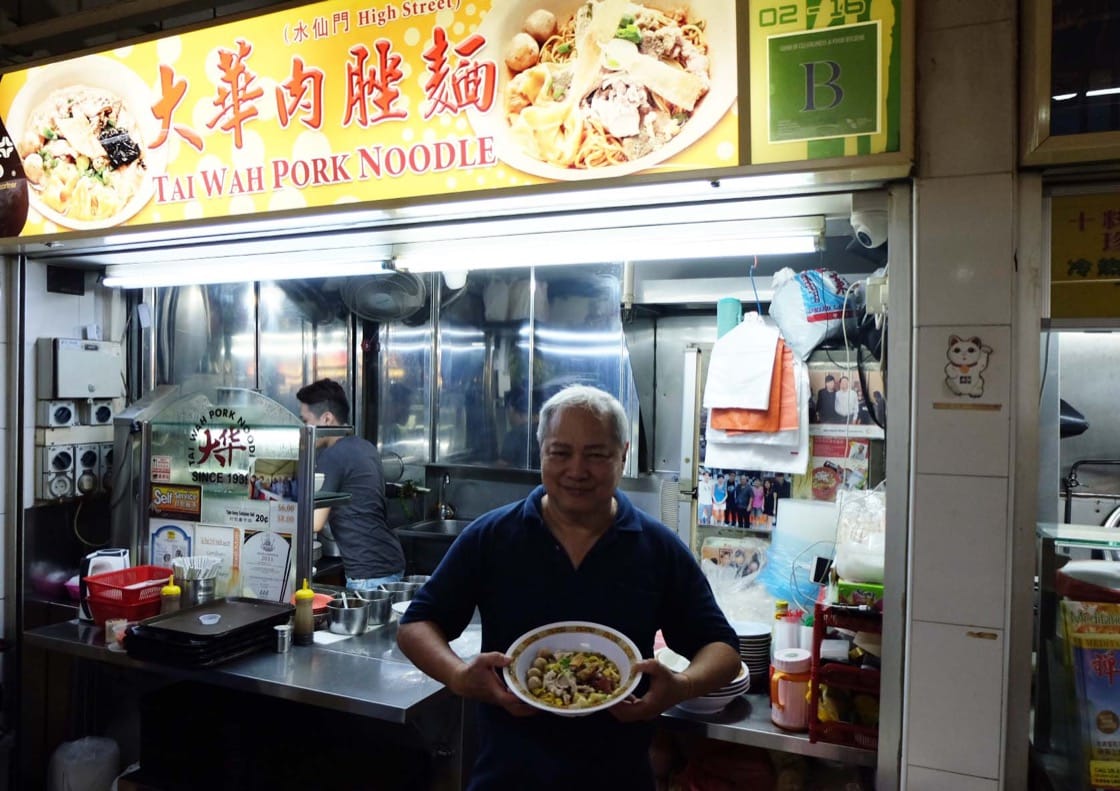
x=729, y=312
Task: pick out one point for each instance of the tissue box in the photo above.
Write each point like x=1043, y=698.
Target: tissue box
x=856, y=593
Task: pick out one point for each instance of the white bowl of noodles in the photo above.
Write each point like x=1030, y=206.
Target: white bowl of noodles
x=105, y=176
x=530, y=145
x=586, y=667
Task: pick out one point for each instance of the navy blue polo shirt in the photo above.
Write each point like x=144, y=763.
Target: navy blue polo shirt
x=638, y=578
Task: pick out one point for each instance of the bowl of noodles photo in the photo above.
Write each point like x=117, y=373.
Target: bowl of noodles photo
x=608, y=87
x=572, y=668
x=83, y=130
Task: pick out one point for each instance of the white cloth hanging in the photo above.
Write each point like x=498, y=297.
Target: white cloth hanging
x=741, y=366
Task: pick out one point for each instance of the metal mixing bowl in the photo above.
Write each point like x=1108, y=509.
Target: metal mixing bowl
x=380, y=606
x=400, y=591
x=351, y=617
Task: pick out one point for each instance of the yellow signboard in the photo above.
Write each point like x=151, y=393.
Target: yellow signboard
x=337, y=103
x=1085, y=256
x=826, y=79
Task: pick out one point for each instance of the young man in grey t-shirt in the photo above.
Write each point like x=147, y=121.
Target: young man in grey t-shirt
x=371, y=552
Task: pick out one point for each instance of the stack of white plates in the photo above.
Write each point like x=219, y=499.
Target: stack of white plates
x=713, y=701
x=754, y=648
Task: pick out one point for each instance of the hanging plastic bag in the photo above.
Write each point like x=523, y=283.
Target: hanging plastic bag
x=809, y=307
x=861, y=532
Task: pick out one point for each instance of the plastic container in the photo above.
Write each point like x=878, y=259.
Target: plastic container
x=789, y=689
x=197, y=591
x=132, y=593
x=170, y=596
x=303, y=632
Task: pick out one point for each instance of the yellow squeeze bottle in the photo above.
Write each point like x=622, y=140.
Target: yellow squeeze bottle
x=170, y=596
x=304, y=631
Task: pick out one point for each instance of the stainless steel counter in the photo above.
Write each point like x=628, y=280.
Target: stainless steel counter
x=368, y=675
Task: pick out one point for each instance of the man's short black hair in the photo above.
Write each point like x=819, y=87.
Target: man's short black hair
x=326, y=395
x=829, y=378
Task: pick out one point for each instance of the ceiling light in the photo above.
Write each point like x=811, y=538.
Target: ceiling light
x=724, y=238
x=242, y=269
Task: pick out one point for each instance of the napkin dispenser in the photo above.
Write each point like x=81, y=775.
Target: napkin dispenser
x=98, y=562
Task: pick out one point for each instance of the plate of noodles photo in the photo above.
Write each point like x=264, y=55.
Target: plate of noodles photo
x=608, y=87
x=83, y=130
x=572, y=668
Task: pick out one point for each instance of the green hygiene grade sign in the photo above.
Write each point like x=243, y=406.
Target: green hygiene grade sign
x=825, y=79
x=824, y=83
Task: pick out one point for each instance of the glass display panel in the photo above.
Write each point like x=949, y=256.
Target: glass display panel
x=1084, y=67
x=578, y=338
x=513, y=338
x=207, y=332
x=304, y=336
x=466, y=431
x=405, y=388
x=222, y=472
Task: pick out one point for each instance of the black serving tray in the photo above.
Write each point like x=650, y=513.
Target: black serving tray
x=238, y=614
x=179, y=638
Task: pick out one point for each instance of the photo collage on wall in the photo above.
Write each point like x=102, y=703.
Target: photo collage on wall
x=740, y=498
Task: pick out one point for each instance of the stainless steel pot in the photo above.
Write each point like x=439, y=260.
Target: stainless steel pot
x=347, y=614
x=400, y=591
x=380, y=606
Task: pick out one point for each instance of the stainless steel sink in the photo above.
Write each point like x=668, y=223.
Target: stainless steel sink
x=434, y=527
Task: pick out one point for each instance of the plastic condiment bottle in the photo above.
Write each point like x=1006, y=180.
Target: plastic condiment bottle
x=789, y=689
x=304, y=631
x=170, y=596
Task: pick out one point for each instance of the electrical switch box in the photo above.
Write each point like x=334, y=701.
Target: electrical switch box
x=74, y=368
x=55, y=414
x=95, y=412
x=55, y=467
x=87, y=470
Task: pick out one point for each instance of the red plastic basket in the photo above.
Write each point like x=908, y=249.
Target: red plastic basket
x=131, y=593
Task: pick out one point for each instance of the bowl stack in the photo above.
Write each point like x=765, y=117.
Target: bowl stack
x=754, y=650
x=714, y=701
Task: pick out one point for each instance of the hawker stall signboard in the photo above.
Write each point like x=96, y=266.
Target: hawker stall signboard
x=342, y=103
x=1085, y=257
x=825, y=79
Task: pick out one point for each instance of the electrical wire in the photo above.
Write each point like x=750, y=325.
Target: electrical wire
x=78, y=535
x=754, y=286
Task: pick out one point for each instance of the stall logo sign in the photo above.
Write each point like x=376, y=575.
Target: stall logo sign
x=224, y=438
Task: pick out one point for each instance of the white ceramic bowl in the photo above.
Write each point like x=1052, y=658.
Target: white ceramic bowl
x=505, y=21
x=105, y=73
x=677, y=663
x=572, y=636
x=704, y=705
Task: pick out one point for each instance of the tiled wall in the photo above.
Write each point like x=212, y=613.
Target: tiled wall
x=965, y=208
x=46, y=315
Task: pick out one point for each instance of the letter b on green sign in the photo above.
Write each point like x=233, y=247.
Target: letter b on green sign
x=824, y=83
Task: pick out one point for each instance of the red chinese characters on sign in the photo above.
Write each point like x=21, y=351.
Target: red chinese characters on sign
x=220, y=446
x=374, y=86
x=171, y=95
x=456, y=80
x=236, y=94
x=450, y=90
x=301, y=93
x=1107, y=225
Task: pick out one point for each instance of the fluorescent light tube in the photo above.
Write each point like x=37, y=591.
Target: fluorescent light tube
x=727, y=238
x=241, y=269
